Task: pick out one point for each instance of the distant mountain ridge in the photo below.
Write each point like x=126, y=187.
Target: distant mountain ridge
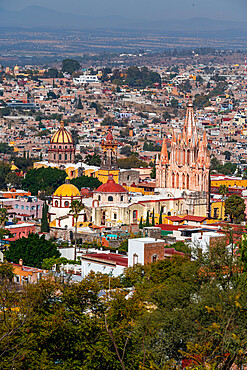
x=37, y=16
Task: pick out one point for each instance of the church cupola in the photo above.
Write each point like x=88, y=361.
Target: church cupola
x=109, y=157
x=61, y=148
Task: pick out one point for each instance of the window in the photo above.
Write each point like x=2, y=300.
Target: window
x=66, y=204
x=27, y=208
x=122, y=198
x=22, y=207
x=135, y=215
x=54, y=156
x=16, y=206
x=99, y=198
x=154, y=258
x=60, y=156
x=65, y=157
x=56, y=203
x=115, y=216
x=135, y=259
x=33, y=208
x=110, y=199
x=38, y=207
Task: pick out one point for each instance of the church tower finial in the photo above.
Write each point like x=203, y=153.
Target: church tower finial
x=164, y=154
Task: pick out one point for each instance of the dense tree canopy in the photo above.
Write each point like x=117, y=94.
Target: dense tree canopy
x=195, y=311
x=235, y=208
x=93, y=160
x=226, y=169
x=86, y=182
x=70, y=65
x=32, y=250
x=43, y=179
x=131, y=162
x=4, y=171
x=5, y=148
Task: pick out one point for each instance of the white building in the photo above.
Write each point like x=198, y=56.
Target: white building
x=86, y=79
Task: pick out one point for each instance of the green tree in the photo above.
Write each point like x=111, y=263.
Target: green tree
x=4, y=171
x=223, y=190
x=153, y=172
x=3, y=217
x=70, y=65
x=13, y=180
x=51, y=73
x=75, y=209
x=32, y=250
x=235, y=208
x=44, y=219
x=147, y=224
x=79, y=104
x=86, y=182
x=93, y=160
x=6, y=149
x=153, y=218
x=141, y=224
x=43, y=179
x=131, y=162
x=160, y=217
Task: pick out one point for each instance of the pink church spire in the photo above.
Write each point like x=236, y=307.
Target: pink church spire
x=164, y=154
x=201, y=154
x=189, y=129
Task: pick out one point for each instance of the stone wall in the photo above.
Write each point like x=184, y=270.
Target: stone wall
x=154, y=252
x=128, y=177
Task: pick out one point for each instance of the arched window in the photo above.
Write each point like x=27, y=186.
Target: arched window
x=188, y=157
x=188, y=182
x=135, y=215
x=56, y=203
x=65, y=157
x=122, y=198
x=184, y=157
x=173, y=180
x=60, y=147
x=66, y=204
x=183, y=180
x=99, y=198
x=154, y=257
x=135, y=259
x=110, y=199
x=60, y=157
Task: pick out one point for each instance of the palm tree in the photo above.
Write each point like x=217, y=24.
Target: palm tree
x=223, y=190
x=76, y=208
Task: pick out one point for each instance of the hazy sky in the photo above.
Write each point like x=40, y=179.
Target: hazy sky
x=154, y=9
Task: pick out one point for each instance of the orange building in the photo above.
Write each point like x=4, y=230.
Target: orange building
x=13, y=193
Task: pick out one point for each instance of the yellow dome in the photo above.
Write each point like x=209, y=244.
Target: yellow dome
x=62, y=136
x=67, y=190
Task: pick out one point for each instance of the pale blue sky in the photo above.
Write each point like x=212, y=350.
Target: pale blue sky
x=154, y=9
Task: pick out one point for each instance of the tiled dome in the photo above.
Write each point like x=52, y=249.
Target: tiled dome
x=111, y=187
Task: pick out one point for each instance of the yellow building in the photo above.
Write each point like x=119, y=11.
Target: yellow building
x=109, y=160
x=218, y=210
x=231, y=182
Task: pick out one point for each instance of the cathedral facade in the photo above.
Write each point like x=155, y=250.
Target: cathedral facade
x=189, y=162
